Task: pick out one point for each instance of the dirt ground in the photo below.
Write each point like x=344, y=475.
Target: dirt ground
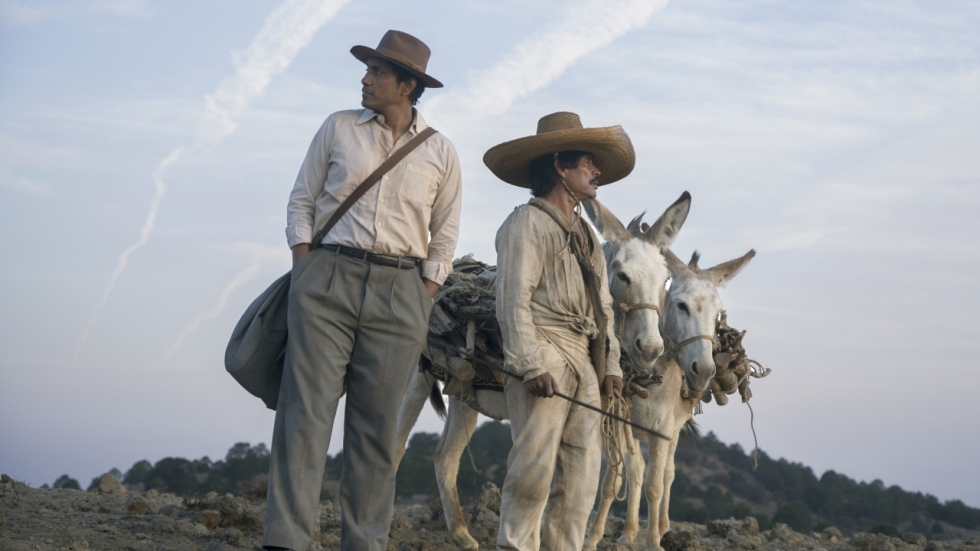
x=113, y=518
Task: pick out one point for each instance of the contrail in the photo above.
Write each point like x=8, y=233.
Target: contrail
x=161, y=188
x=239, y=279
x=285, y=32
x=538, y=61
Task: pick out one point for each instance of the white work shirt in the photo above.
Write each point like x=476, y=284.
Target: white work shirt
x=414, y=209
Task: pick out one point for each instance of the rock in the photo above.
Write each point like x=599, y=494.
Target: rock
x=401, y=523
x=228, y=506
x=170, y=510
x=721, y=528
x=614, y=526
x=255, y=488
x=138, y=506
x=934, y=546
x=110, y=485
x=742, y=542
x=785, y=534
x=163, y=525
x=200, y=528
x=489, y=497
x=750, y=526
x=152, y=494
x=216, y=546
x=831, y=532
x=680, y=540
x=434, y=504
x=232, y=536
x=210, y=518
x=914, y=538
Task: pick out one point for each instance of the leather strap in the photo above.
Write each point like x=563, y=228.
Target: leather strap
x=386, y=166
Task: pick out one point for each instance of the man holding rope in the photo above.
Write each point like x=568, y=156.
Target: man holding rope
x=555, y=315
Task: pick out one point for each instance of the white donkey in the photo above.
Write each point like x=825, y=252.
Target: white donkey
x=687, y=366
x=641, y=274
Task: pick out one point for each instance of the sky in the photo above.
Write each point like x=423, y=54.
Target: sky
x=147, y=150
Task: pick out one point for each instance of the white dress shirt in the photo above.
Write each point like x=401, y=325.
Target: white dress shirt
x=414, y=209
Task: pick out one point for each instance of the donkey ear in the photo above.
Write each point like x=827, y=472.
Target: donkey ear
x=609, y=226
x=664, y=230
x=675, y=265
x=724, y=272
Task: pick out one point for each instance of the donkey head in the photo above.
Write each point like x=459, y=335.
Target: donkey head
x=691, y=311
x=638, y=275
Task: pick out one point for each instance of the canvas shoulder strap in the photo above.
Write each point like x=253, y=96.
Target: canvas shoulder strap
x=386, y=166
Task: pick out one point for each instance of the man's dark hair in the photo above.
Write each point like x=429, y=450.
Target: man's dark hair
x=402, y=74
x=543, y=175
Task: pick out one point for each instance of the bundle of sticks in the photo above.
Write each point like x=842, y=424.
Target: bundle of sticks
x=734, y=368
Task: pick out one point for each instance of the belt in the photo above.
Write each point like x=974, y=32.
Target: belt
x=400, y=262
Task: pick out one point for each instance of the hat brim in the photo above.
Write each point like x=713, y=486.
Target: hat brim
x=611, y=149
x=363, y=53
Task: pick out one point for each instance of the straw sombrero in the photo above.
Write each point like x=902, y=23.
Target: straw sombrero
x=611, y=149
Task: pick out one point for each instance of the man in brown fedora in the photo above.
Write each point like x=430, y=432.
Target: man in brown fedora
x=359, y=304
x=555, y=314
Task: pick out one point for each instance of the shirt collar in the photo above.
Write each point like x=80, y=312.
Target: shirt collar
x=418, y=122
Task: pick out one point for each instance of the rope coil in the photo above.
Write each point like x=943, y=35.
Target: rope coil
x=614, y=434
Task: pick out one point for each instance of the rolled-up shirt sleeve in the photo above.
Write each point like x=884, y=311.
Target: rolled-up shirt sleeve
x=301, y=209
x=444, y=222
x=519, y=269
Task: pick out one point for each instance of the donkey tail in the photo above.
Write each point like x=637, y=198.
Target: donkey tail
x=438, y=404
x=692, y=429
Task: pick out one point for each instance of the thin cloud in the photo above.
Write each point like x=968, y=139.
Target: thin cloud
x=23, y=13
x=219, y=306
x=285, y=32
x=12, y=181
x=538, y=61
x=260, y=254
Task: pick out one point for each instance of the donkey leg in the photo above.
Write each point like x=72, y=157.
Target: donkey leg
x=637, y=466
x=460, y=423
x=610, y=487
x=654, y=486
x=668, y=481
x=412, y=403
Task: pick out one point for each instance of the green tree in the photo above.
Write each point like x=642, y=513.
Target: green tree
x=67, y=482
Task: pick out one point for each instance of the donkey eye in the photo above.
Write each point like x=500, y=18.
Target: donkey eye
x=683, y=307
x=623, y=277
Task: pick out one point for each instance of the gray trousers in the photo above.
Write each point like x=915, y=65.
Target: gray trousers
x=365, y=324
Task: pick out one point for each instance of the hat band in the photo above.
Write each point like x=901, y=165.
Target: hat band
x=400, y=58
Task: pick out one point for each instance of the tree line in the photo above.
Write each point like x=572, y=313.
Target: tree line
x=798, y=497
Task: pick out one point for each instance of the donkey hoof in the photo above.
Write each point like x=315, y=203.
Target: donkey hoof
x=465, y=541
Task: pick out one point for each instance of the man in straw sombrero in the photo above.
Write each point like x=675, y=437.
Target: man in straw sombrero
x=555, y=314
x=359, y=304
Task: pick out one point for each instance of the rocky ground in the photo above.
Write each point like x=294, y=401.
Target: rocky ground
x=111, y=517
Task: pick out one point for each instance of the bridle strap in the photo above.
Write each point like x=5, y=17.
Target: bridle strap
x=627, y=308
x=672, y=348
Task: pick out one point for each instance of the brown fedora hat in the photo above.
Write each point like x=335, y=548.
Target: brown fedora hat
x=610, y=147
x=405, y=50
